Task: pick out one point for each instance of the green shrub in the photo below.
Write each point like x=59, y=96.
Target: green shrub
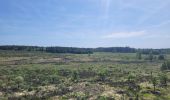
x=165, y=65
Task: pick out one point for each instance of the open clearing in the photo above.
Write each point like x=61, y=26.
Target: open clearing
x=98, y=76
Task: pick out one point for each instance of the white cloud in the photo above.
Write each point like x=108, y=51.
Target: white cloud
x=125, y=34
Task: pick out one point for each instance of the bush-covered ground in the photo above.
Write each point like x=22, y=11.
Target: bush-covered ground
x=99, y=76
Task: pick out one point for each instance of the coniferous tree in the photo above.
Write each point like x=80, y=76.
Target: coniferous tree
x=151, y=56
x=161, y=57
x=139, y=55
x=163, y=79
x=154, y=82
x=165, y=66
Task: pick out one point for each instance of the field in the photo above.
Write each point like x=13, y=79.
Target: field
x=98, y=76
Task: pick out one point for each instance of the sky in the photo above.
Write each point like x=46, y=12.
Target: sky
x=85, y=23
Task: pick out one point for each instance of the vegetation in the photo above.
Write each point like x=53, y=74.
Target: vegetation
x=154, y=82
x=150, y=56
x=37, y=75
x=86, y=50
x=139, y=55
x=163, y=79
x=161, y=57
x=165, y=65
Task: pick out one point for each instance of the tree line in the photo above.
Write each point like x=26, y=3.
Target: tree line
x=48, y=49
x=83, y=50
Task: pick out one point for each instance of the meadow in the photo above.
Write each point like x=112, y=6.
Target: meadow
x=36, y=75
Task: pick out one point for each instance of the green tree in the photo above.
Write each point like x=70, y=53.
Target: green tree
x=151, y=74
x=75, y=76
x=161, y=57
x=139, y=55
x=1, y=84
x=135, y=90
x=154, y=82
x=151, y=56
x=89, y=54
x=103, y=74
x=165, y=66
x=163, y=79
x=131, y=77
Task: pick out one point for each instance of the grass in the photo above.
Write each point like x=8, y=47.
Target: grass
x=78, y=76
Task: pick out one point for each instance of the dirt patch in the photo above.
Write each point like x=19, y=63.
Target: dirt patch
x=85, y=87
x=48, y=60
x=21, y=60
x=111, y=92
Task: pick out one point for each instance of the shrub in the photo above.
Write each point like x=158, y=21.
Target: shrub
x=19, y=80
x=165, y=65
x=163, y=79
x=161, y=57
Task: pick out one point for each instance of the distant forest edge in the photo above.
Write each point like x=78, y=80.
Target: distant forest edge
x=75, y=50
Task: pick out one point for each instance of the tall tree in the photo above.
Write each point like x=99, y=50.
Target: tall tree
x=150, y=56
x=139, y=55
x=165, y=66
x=163, y=79
x=154, y=82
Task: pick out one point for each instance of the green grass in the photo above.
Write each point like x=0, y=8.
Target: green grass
x=56, y=73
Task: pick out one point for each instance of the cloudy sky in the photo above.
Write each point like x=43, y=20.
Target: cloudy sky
x=85, y=23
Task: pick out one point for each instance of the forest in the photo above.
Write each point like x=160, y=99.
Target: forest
x=75, y=50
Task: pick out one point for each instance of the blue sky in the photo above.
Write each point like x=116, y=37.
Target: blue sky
x=85, y=23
